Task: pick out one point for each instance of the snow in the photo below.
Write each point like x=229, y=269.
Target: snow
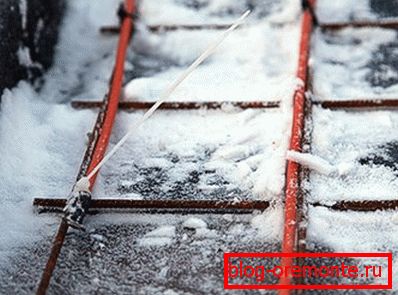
x=319, y=165
x=228, y=154
x=365, y=232
x=165, y=95
x=159, y=237
x=348, y=137
x=98, y=237
x=342, y=64
x=240, y=69
x=163, y=231
x=153, y=12
x=35, y=162
x=23, y=8
x=310, y=161
x=42, y=142
x=83, y=56
x=269, y=224
x=199, y=154
x=194, y=223
x=25, y=59
x=343, y=10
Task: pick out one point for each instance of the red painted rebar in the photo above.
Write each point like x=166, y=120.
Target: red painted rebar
x=97, y=147
x=115, y=90
x=292, y=170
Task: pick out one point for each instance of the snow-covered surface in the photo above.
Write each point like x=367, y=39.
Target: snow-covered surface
x=84, y=57
x=352, y=64
x=348, y=137
x=154, y=12
x=42, y=143
x=219, y=154
x=334, y=231
x=39, y=155
x=344, y=10
x=255, y=63
x=199, y=154
x=355, y=10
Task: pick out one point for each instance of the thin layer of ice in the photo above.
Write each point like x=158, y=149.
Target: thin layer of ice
x=192, y=262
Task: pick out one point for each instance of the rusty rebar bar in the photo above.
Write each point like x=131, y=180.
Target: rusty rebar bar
x=166, y=28
x=159, y=204
x=388, y=24
x=361, y=206
x=183, y=105
x=358, y=103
